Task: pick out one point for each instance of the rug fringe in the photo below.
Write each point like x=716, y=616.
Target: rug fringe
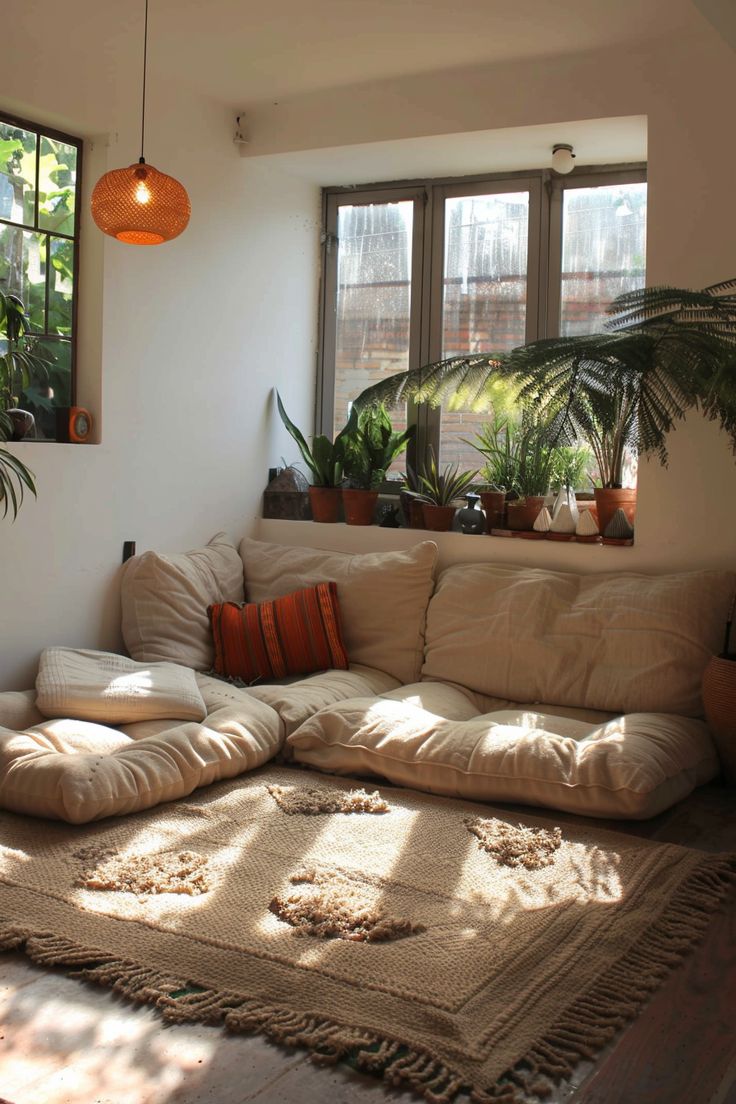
x=582, y=1031
x=618, y=996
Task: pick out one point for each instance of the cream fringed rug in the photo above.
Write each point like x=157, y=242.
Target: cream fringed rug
x=442, y=944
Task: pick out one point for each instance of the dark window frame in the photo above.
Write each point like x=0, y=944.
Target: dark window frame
x=40, y=130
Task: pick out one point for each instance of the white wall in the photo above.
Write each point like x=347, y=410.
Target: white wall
x=187, y=434
x=686, y=517
x=194, y=336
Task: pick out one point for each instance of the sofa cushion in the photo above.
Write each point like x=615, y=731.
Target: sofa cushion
x=297, y=700
x=630, y=767
x=294, y=635
x=103, y=686
x=383, y=596
x=165, y=599
x=80, y=771
x=620, y=643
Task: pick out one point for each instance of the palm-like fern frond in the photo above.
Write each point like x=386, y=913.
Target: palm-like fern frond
x=464, y=379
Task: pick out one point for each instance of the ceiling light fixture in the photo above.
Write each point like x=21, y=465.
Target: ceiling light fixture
x=140, y=205
x=563, y=158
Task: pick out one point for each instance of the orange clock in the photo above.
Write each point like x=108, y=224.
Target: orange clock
x=73, y=423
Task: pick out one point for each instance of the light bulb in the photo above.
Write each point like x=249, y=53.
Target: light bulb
x=142, y=193
x=563, y=158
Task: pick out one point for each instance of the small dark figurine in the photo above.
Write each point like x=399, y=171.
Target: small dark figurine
x=391, y=519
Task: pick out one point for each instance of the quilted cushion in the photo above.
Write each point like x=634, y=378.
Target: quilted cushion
x=629, y=767
x=165, y=598
x=80, y=771
x=103, y=686
x=383, y=596
x=622, y=643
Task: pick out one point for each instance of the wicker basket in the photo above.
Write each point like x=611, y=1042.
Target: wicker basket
x=719, y=700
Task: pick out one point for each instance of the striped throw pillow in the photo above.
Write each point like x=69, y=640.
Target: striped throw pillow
x=293, y=635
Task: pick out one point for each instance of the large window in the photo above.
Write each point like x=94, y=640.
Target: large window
x=416, y=273
x=40, y=173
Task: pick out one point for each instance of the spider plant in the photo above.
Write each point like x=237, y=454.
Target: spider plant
x=518, y=456
x=665, y=351
x=15, y=478
x=441, y=487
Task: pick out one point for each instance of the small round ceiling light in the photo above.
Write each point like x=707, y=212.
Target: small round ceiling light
x=563, y=158
x=140, y=205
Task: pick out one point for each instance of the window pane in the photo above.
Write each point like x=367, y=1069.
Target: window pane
x=484, y=295
x=373, y=300
x=17, y=174
x=23, y=270
x=57, y=181
x=41, y=398
x=61, y=286
x=603, y=251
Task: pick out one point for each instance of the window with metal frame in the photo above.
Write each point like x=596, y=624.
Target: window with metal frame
x=419, y=271
x=40, y=185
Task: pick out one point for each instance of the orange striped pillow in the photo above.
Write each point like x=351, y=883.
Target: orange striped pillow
x=293, y=635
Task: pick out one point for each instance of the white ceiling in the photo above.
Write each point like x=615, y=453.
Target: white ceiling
x=243, y=52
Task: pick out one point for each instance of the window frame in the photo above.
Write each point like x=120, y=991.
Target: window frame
x=544, y=284
x=40, y=130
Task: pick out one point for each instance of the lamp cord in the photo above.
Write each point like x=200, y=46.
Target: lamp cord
x=142, y=159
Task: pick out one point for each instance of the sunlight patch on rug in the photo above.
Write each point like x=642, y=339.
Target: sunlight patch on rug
x=163, y=872
x=516, y=845
x=333, y=906
x=313, y=800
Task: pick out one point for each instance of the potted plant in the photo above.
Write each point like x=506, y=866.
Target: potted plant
x=440, y=489
x=15, y=478
x=325, y=460
x=518, y=456
x=371, y=444
x=21, y=365
x=665, y=351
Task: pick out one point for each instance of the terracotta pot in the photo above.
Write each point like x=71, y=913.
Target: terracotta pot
x=494, y=505
x=523, y=514
x=325, y=503
x=719, y=701
x=359, y=506
x=411, y=509
x=608, y=500
x=437, y=518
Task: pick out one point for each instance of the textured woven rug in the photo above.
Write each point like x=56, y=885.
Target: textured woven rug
x=443, y=944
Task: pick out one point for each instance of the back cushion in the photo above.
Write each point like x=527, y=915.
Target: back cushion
x=165, y=599
x=617, y=642
x=383, y=596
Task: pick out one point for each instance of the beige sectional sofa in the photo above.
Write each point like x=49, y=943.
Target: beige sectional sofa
x=485, y=681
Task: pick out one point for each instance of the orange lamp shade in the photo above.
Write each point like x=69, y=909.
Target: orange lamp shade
x=140, y=205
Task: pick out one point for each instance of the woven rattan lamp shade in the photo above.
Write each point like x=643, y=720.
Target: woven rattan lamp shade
x=140, y=205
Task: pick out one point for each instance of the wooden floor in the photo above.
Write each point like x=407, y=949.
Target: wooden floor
x=65, y=1042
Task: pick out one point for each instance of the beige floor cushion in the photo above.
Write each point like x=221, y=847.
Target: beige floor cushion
x=620, y=643
x=630, y=767
x=165, y=598
x=383, y=596
x=80, y=771
x=299, y=699
x=103, y=686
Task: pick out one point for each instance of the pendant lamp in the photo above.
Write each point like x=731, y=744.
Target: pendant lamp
x=140, y=205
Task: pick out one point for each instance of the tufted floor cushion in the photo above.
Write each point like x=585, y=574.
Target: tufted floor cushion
x=627, y=767
x=80, y=771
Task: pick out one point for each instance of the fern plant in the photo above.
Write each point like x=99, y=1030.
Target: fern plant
x=665, y=351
